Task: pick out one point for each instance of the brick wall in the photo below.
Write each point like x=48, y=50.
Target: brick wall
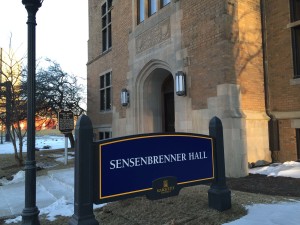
x=203, y=33
x=224, y=43
x=283, y=95
x=115, y=59
x=287, y=141
x=248, y=55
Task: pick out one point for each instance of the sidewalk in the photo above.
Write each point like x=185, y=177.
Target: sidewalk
x=49, y=189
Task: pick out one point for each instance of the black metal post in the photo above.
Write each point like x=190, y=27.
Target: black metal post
x=83, y=176
x=219, y=196
x=30, y=212
x=1, y=133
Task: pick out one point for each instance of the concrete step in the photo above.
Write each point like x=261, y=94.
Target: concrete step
x=54, y=187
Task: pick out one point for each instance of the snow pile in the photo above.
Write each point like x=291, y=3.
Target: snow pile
x=271, y=214
x=17, y=178
x=287, y=169
x=59, y=208
x=15, y=220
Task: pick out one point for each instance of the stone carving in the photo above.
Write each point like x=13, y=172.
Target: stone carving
x=153, y=36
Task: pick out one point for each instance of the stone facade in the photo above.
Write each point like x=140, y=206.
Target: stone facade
x=216, y=43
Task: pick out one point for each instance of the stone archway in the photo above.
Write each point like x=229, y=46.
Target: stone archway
x=150, y=96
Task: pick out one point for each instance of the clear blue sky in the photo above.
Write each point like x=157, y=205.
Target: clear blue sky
x=61, y=31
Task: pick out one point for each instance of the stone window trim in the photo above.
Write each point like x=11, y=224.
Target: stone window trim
x=143, y=8
x=295, y=81
x=104, y=133
x=98, y=57
x=105, y=92
x=293, y=24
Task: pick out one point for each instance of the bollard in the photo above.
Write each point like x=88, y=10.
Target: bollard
x=83, y=179
x=219, y=196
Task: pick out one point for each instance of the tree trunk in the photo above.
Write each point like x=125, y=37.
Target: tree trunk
x=71, y=138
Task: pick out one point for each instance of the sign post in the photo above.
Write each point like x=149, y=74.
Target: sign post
x=66, y=125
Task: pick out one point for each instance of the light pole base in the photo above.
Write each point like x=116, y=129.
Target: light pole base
x=87, y=220
x=30, y=216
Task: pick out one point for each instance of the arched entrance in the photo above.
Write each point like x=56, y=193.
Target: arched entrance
x=155, y=99
x=168, y=105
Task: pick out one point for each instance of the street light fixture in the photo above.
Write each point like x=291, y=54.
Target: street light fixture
x=30, y=212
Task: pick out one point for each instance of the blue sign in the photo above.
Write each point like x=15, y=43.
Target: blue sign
x=129, y=165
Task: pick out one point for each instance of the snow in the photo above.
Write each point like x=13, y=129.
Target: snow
x=55, y=194
x=287, y=169
x=62, y=159
x=59, y=186
x=55, y=142
x=61, y=207
x=278, y=213
x=18, y=177
x=271, y=214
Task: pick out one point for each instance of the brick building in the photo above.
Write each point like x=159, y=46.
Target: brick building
x=239, y=60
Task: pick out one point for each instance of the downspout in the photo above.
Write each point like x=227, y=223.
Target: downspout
x=273, y=122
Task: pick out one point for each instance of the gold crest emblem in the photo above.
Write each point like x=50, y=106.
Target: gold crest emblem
x=165, y=183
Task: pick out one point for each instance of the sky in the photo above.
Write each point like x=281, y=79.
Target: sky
x=61, y=32
x=53, y=200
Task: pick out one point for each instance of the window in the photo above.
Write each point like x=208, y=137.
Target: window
x=105, y=92
x=165, y=2
x=141, y=11
x=104, y=135
x=152, y=4
x=296, y=50
x=295, y=16
x=295, y=10
x=106, y=25
x=150, y=8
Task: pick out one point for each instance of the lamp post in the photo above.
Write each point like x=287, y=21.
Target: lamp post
x=30, y=212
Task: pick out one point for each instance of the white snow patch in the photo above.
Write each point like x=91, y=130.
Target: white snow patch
x=59, y=208
x=17, y=178
x=62, y=159
x=287, y=169
x=15, y=220
x=271, y=214
x=55, y=142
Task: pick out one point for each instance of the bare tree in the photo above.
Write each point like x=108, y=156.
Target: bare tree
x=57, y=90
x=13, y=101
